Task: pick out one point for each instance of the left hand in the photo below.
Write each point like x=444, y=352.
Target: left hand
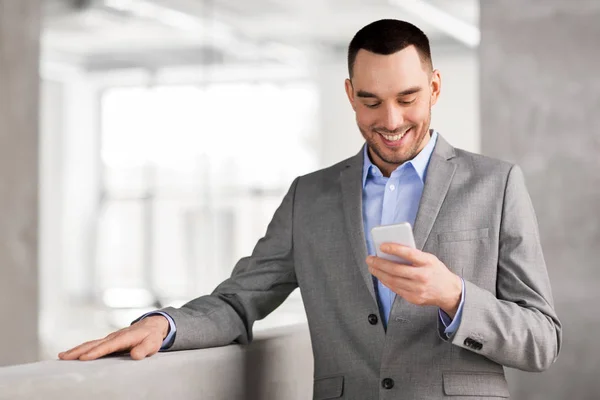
x=426, y=282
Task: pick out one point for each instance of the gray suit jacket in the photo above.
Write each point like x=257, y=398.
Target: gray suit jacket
x=475, y=215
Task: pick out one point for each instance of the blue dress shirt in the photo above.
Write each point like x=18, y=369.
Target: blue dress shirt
x=394, y=200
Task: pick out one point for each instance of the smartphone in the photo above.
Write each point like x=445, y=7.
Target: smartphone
x=398, y=233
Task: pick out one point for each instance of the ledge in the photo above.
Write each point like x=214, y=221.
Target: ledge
x=277, y=365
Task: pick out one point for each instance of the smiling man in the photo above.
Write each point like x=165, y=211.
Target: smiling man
x=476, y=296
x=391, y=93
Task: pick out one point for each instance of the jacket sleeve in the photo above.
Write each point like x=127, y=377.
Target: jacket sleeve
x=258, y=285
x=518, y=327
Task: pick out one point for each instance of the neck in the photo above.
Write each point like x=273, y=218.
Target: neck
x=387, y=168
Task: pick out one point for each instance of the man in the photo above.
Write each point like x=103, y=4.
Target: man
x=476, y=298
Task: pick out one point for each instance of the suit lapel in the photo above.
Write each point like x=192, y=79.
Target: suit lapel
x=439, y=175
x=351, y=181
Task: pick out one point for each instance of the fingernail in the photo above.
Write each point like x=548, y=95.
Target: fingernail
x=385, y=247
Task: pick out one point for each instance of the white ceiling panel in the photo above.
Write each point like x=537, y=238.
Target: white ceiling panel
x=151, y=33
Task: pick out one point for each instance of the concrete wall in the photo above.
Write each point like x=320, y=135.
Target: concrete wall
x=19, y=55
x=277, y=365
x=540, y=94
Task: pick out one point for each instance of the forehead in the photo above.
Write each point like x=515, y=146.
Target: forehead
x=395, y=71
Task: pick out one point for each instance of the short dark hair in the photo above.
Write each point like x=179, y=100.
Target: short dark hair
x=388, y=36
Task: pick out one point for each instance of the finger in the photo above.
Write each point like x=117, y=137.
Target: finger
x=121, y=342
x=77, y=351
x=415, y=256
x=392, y=268
x=393, y=282
x=148, y=347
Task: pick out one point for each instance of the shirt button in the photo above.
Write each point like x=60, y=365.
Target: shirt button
x=392, y=187
x=372, y=319
x=387, y=383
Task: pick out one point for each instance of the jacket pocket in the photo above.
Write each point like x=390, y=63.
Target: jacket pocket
x=485, y=384
x=462, y=236
x=330, y=387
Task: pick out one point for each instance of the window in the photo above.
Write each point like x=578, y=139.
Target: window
x=191, y=178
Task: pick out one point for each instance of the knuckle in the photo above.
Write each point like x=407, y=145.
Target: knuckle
x=420, y=300
x=420, y=276
x=426, y=276
x=84, y=346
x=113, y=335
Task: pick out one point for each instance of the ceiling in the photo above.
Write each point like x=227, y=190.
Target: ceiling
x=112, y=34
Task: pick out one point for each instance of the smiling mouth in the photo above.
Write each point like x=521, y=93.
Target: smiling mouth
x=394, y=139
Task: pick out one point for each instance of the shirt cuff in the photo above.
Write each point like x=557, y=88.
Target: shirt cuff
x=168, y=341
x=452, y=325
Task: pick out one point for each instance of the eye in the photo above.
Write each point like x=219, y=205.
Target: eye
x=372, y=105
x=406, y=102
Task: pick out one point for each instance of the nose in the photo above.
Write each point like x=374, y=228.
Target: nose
x=391, y=118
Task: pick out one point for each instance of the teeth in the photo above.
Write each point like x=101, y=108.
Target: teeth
x=394, y=138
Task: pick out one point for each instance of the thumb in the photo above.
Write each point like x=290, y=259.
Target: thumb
x=147, y=347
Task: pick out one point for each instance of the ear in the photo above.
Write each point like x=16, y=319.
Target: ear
x=350, y=92
x=436, y=86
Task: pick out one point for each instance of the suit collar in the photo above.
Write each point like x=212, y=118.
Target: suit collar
x=443, y=149
x=419, y=162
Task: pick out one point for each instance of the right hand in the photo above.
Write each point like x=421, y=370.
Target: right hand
x=142, y=339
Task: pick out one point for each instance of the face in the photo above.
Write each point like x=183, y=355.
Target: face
x=392, y=97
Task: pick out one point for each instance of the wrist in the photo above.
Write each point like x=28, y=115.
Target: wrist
x=162, y=324
x=451, y=303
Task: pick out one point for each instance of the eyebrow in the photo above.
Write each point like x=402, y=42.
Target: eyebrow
x=411, y=90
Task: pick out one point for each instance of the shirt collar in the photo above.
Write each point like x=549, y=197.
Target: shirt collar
x=419, y=163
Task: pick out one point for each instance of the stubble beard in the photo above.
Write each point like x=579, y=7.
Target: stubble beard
x=375, y=144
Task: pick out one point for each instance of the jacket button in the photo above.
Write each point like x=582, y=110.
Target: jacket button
x=373, y=319
x=387, y=383
x=473, y=344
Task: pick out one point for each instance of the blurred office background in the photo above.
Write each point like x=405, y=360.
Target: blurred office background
x=169, y=131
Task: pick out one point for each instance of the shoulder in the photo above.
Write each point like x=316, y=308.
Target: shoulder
x=332, y=170
x=481, y=165
x=332, y=173
x=325, y=183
